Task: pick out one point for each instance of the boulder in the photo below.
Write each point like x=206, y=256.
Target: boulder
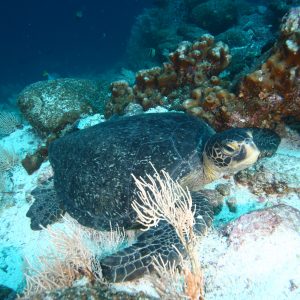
x=49, y=106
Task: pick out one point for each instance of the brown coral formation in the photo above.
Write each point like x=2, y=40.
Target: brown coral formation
x=272, y=93
x=122, y=95
x=188, y=82
x=32, y=162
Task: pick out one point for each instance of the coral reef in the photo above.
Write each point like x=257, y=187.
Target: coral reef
x=272, y=93
x=191, y=81
x=121, y=96
x=279, y=7
x=51, y=105
x=155, y=34
x=248, y=41
x=188, y=82
x=262, y=181
x=159, y=30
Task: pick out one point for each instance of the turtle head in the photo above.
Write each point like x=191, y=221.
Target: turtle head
x=228, y=152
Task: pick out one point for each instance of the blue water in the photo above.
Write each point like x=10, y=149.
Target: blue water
x=68, y=37
x=84, y=38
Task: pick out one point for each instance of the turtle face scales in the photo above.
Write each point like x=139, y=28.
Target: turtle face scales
x=229, y=152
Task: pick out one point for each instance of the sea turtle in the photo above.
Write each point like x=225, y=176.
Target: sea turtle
x=93, y=182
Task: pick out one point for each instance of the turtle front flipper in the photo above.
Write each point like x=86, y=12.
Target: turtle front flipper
x=136, y=260
x=47, y=208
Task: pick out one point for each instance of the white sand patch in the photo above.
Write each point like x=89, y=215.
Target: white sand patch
x=90, y=121
x=268, y=268
x=15, y=235
x=21, y=141
x=136, y=286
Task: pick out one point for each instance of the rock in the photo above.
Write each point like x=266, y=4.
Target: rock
x=258, y=259
x=263, y=224
x=32, y=162
x=51, y=105
x=223, y=189
x=216, y=200
x=261, y=180
x=232, y=204
x=133, y=109
x=216, y=15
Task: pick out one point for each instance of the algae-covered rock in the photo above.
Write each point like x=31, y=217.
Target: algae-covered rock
x=51, y=105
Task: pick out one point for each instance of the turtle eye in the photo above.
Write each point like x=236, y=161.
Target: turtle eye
x=230, y=148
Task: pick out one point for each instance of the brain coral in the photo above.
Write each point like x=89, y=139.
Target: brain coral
x=50, y=105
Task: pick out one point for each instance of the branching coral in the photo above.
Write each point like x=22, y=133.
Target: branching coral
x=8, y=159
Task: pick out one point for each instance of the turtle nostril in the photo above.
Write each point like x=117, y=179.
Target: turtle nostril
x=249, y=142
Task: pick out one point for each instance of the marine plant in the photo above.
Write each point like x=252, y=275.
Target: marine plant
x=163, y=199
x=9, y=122
x=8, y=159
x=69, y=257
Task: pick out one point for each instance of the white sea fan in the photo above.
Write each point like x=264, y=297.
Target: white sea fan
x=9, y=122
x=162, y=198
x=69, y=257
x=8, y=159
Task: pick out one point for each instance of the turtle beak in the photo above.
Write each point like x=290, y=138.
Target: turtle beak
x=252, y=153
x=247, y=156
